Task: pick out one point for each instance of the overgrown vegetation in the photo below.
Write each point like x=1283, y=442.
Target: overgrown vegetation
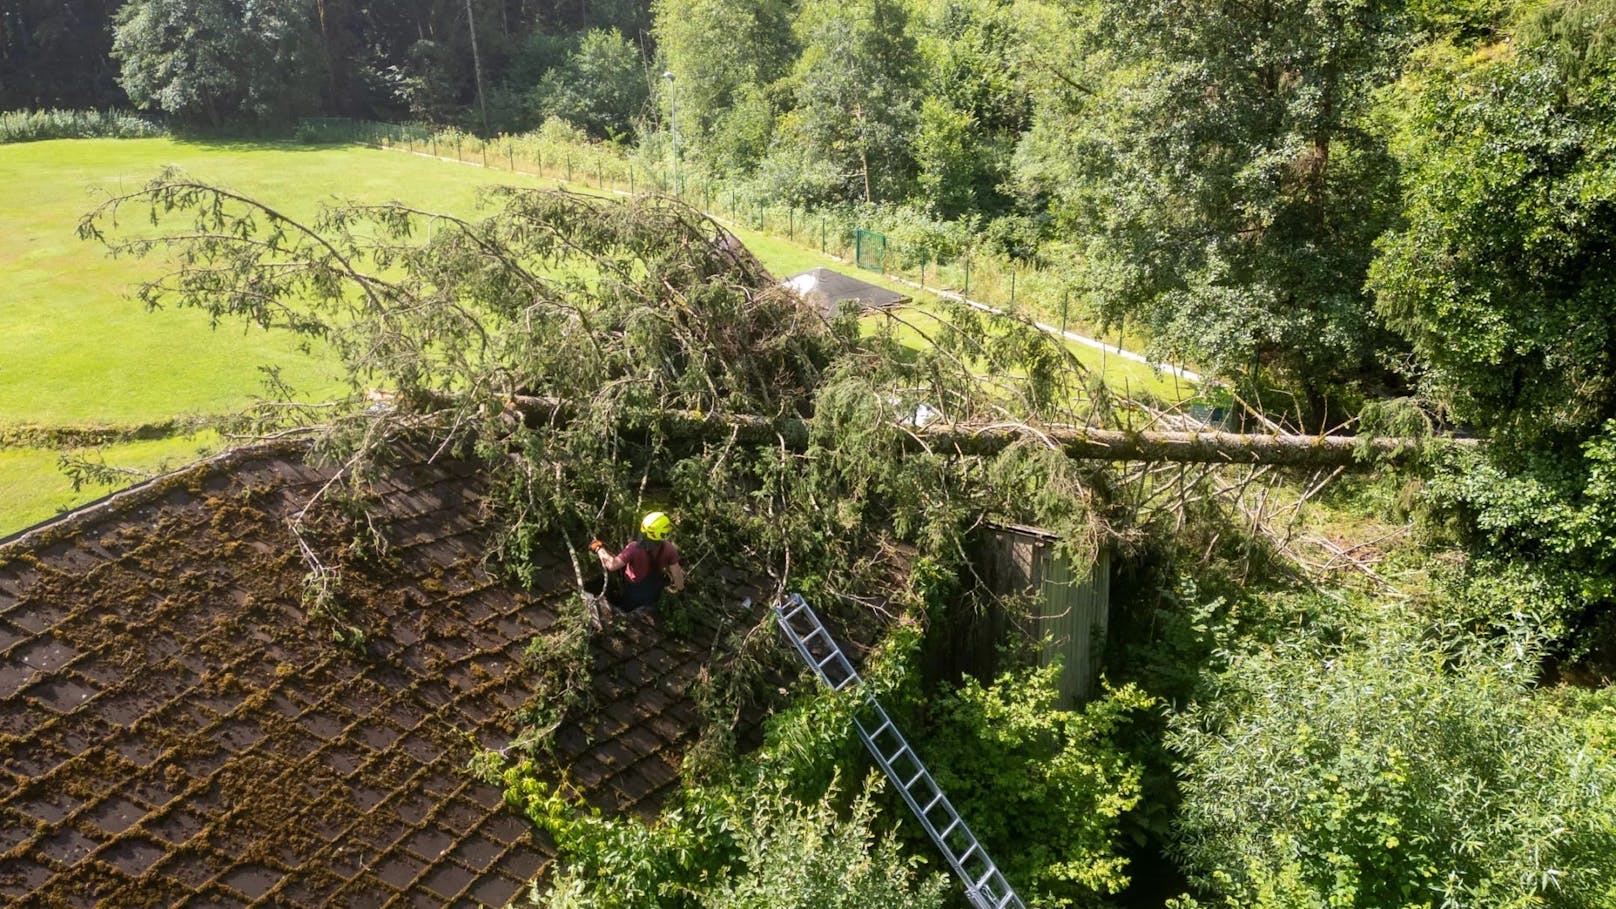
x=38, y=125
x=1337, y=202
x=600, y=355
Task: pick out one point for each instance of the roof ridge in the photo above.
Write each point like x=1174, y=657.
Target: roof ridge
x=75, y=521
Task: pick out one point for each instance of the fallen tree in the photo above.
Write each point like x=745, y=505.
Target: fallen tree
x=1081, y=442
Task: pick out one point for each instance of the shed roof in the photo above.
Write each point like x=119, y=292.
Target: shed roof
x=175, y=729
x=827, y=289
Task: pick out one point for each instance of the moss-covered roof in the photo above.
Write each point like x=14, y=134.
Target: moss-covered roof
x=175, y=728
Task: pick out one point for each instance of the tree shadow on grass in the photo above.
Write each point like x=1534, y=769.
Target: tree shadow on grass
x=256, y=144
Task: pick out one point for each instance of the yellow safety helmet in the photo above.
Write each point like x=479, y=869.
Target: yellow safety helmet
x=656, y=526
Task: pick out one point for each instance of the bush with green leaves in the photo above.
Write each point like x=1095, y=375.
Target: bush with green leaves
x=1045, y=789
x=774, y=829
x=1372, y=767
x=602, y=86
x=37, y=125
x=1499, y=277
x=729, y=849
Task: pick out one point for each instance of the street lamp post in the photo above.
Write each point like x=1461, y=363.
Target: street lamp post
x=673, y=128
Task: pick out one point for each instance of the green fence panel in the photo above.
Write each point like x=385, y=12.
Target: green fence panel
x=870, y=249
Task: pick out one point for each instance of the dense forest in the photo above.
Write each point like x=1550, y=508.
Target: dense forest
x=1398, y=215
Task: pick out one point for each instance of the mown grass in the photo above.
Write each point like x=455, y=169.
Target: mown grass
x=33, y=488
x=1127, y=377
x=78, y=352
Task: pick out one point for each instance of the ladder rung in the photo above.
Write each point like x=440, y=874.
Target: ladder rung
x=992, y=870
x=983, y=896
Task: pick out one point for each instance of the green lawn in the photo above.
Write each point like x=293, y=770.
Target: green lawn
x=1129, y=377
x=79, y=352
x=32, y=488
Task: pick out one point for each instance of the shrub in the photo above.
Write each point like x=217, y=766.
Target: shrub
x=37, y=125
x=1045, y=789
x=1391, y=771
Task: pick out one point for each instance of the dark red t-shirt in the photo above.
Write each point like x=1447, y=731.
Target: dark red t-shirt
x=639, y=563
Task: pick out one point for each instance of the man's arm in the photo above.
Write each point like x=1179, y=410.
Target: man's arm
x=676, y=578
x=609, y=561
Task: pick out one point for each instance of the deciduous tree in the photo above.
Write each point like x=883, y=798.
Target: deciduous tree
x=1212, y=162
x=213, y=60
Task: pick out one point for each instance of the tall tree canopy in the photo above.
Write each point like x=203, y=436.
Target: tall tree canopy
x=54, y=53
x=1502, y=280
x=722, y=54
x=209, y=60
x=856, y=97
x=1212, y=162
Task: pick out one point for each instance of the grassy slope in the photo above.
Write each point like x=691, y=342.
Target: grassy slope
x=785, y=258
x=78, y=352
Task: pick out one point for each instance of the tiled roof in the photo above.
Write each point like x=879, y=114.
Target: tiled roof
x=174, y=730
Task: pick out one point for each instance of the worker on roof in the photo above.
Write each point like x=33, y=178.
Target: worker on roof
x=649, y=564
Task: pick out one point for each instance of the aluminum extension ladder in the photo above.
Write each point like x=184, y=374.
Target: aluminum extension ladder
x=985, y=886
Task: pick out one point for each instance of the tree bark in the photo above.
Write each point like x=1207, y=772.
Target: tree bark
x=987, y=439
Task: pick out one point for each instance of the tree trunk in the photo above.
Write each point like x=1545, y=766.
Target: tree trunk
x=987, y=439
x=477, y=67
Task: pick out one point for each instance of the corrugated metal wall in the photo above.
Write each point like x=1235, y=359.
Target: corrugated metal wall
x=1071, y=608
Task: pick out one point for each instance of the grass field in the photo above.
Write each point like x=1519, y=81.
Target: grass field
x=77, y=352
x=33, y=488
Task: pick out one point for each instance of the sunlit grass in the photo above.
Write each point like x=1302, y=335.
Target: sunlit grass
x=77, y=351
x=32, y=488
